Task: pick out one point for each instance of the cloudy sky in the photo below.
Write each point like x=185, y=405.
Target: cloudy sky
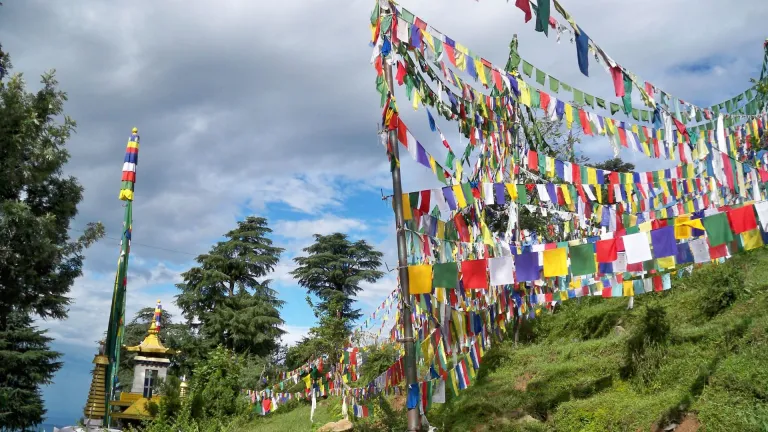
x=269, y=108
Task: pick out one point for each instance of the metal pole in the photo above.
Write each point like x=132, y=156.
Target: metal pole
x=414, y=420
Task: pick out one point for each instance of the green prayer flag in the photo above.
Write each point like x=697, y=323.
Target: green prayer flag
x=527, y=68
x=633, y=230
x=601, y=103
x=467, y=189
x=645, y=115
x=589, y=99
x=566, y=87
x=650, y=265
x=583, y=259
x=413, y=199
x=718, y=229
x=445, y=275
x=542, y=16
x=386, y=22
x=699, y=117
x=554, y=84
x=535, y=99
x=627, y=98
x=449, y=159
x=636, y=114
x=522, y=194
x=578, y=97
x=614, y=108
x=406, y=15
x=541, y=77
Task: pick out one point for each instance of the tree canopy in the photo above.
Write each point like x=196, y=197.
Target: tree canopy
x=224, y=296
x=39, y=261
x=333, y=270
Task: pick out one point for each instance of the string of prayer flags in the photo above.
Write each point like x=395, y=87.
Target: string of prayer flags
x=129, y=166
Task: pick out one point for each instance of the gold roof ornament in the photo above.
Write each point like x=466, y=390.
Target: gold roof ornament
x=151, y=343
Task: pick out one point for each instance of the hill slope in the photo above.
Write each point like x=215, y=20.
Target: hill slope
x=694, y=356
x=596, y=366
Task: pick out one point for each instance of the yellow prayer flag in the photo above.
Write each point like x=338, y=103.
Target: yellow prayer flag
x=461, y=59
x=568, y=115
x=420, y=279
x=487, y=237
x=440, y=295
x=566, y=194
x=645, y=226
x=512, y=190
x=666, y=262
x=563, y=295
x=428, y=39
x=416, y=100
x=592, y=176
x=628, y=288
x=460, y=201
x=481, y=71
x=752, y=239
x=695, y=223
x=525, y=94
x=407, y=215
x=550, y=164
x=682, y=231
x=555, y=262
x=440, y=229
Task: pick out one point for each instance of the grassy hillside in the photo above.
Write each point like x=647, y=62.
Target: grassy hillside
x=696, y=355
x=296, y=419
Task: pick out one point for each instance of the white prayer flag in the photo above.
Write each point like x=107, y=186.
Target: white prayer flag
x=637, y=248
x=502, y=270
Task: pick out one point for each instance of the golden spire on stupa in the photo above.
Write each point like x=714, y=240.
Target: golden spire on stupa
x=151, y=343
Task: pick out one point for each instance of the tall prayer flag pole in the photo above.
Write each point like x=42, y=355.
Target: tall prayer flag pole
x=414, y=420
x=117, y=314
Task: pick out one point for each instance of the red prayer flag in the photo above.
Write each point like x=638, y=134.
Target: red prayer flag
x=524, y=6
x=718, y=251
x=533, y=160
x=742, y=219
x=607, y=250
x=473, y=274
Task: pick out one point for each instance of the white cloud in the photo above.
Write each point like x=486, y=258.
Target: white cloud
x=327, y=224
x=92, y=301
x=293, y=334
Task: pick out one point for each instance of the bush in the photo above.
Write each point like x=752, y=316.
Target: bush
x=724, y=285
x=215, y=402
x=383, y=418
x=645, y=348
x=378, y=359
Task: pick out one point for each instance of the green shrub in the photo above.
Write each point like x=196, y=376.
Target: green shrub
x=722, y=284
x=645, y=348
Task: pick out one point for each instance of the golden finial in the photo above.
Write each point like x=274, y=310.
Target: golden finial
x=135, y=130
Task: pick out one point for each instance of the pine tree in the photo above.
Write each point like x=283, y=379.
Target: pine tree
x=224, y=292
x=26, y=363
x=247, y=323
x=38, y=260
x=333, y=270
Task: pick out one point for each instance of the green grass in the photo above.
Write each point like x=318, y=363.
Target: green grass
x=297, y=419
x=571, y=375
